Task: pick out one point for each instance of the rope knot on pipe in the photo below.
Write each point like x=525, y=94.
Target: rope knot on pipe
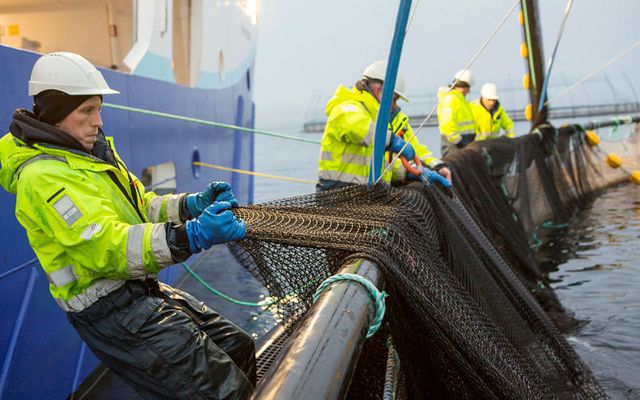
x=376, y=295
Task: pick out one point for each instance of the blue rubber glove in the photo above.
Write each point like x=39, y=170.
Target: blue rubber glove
x=396, y=145
x=412, y=177
x=429, y=176
x=215, y=191
x=215, y=225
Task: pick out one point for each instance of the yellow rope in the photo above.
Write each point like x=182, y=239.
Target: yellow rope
x=260, y=174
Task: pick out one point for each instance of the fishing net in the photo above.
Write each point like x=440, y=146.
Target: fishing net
x=458, y=265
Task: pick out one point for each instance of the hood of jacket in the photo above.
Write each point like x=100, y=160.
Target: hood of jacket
x=27, y=128
x=442, y=93
x=343, y=94
x=25, y=132
x=478, y=103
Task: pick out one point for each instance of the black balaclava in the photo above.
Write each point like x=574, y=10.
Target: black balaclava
x=52, y=106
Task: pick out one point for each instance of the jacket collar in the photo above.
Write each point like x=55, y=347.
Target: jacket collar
x=27, y=128
x=495, y=108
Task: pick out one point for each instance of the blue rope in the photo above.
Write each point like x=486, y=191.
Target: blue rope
x=377, y=296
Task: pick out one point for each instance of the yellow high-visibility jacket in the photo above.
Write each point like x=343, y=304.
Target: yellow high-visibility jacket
x=347, y=143
x=454, y=115
x=488, y=125
x=81, y=222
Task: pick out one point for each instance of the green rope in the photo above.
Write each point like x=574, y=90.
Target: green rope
x=377, y=296
x=262, y=304
x=537, y=242
x=505, y=192
x=617, y=134
x=536, y=239
x=613, y=130
x=553, y=225
x=207, y=122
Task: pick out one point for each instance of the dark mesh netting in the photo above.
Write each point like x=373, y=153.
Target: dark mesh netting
x=545, y=177
x=518, y=188
x=458, y=268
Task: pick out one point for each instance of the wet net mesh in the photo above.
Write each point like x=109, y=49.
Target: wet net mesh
x=466, y=305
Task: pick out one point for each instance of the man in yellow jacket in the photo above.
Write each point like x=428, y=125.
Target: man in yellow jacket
x=455, y=119
x=489, y=115
x=101, y=239
x=347, y=143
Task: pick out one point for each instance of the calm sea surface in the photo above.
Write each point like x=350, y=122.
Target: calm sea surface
x=595, y=264
x=598, y=278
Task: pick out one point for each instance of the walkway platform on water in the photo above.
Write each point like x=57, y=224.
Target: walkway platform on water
x=518, y=115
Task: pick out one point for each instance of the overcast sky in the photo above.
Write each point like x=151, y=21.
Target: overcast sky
x=308, y=47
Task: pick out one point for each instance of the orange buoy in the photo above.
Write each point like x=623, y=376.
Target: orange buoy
x=614, y=160
x=524, y=50
x=592, y=138
x=528, y=112
x=520, y=17
x=526, y=81
x=635, y=177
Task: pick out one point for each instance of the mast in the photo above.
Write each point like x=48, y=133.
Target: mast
x=535, y=59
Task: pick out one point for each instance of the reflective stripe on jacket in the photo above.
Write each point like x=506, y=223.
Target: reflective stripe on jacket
x=347, y=142
x=488, y=126
x=454, y=115
x=401, y=124
x=79, y=217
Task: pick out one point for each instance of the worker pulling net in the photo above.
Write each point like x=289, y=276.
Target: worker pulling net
x=458, y=268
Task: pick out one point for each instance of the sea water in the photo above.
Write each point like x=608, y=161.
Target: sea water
x=595, y=270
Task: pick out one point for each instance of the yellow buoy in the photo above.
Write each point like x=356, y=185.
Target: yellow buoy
x=526, y=81
x=528, y=112
x=635, y=177
x=524, y=51
x=521, y=17
x=614, y=160
x=592, y=138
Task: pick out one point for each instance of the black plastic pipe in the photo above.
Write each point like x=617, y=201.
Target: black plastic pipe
x=613, y=122
x=320, y=357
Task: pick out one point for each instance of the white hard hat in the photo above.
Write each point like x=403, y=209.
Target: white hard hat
x=378, y=69
x=464, y=75
x=489, y=91
x=68, y=73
